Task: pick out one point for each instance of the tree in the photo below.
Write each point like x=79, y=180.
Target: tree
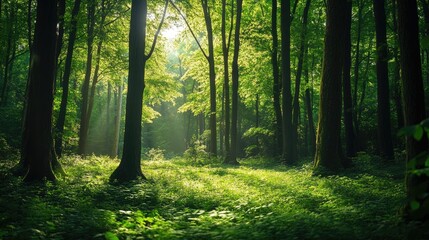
x=347, y=92
x=129, y=168
x=328, y=131
x=235, y=82
x=413, y=99
x=59, y=127
x=383, y=110
x=276, y=79
x=289, y=146
x=38, y=123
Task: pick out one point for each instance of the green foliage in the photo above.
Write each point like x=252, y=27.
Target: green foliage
x=155, y=154
x=258, y=200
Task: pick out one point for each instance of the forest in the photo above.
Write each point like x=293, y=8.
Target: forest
x=214, y=119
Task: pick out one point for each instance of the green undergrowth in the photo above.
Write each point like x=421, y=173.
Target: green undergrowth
x=183, y=200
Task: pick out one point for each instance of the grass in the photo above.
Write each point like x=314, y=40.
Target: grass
x=184, y=200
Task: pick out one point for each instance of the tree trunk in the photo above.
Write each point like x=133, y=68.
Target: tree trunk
x=130, y=166
x=356, y=67
x=302, y=50
x=414, y=102
x=383, y=111
x=212, y=73
x=59, y=127
x=235, y=84
x=40, y=102
x=117, y=126
x=289, y=154
x=309, y=110
x=83, y=130
x=276, y=80
x=328, y=132
x=8, y=56
x=397, y=72
x=347, y=92
x=225, y=50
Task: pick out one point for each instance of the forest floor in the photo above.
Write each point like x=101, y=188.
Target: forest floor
x=188, y=200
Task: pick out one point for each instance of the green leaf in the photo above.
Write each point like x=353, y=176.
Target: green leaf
x=418, y=133
x=110, y=236
x=407, y=131
x=414, y=205
x=425, y=123
x=425, y=42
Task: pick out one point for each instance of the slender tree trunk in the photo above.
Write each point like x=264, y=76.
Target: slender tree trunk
x=329, y=127
x=117, y=126
x=8, y=56
x=414, y=104
x=39, y=141
x=59, y=127
x=212, y=73
x=289, y=154
x=397, y=72
x=276, y=80
x=95, y=80
x=347, y=92
x=302, y=50
x=357, y=67
x=310, y=119
x=235, y=84
x=383, y=113
x=83, y=131
x=225, y=50
x=61, y=13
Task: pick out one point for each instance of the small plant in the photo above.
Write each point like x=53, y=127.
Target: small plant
x=155, y=154
x=196, y=151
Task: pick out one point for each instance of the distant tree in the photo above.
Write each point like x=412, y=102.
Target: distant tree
x=413, y=99
x=328, y=132
x=289, y=145
x=385, y=144
x=38, y=123
x=276, y=79
x=59, y=127
x=129, y=168
x=235, y=82
x=350, y=138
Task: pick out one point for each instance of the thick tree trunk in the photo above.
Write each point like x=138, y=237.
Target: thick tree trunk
x=289, y=154
x=276, y=80
x=385, y=144
x=302, y=50
x=235, y=83
x=414, y=101
x=347, y=92
x=40, y=102
x=83, y=130
x=129, y=168
x=59, y=127
x=329, y=127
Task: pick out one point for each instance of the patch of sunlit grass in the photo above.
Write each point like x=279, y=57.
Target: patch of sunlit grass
x=258, y=200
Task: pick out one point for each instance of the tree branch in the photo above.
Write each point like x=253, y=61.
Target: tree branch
x=190, y=29
x=157, y=31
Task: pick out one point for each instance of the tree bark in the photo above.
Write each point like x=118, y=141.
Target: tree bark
x=385, y=144
x=414, y=101
x=302, y=50
x=9, y=55
x=397, y=72
x=235, y=84
x=117, y=126
x=59, y=127
x=276, y=80
x=289, y=154
x=357, y=66
x=40, y=102
x=130, y=166
x=347, y=92
x=83, y=130
x=328, y=132
x=309, y=110
x=225, y=50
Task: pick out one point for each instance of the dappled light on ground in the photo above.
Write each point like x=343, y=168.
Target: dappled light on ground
x=184, y=200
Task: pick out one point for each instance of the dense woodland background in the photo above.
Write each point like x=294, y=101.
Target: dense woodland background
x=334, y=86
